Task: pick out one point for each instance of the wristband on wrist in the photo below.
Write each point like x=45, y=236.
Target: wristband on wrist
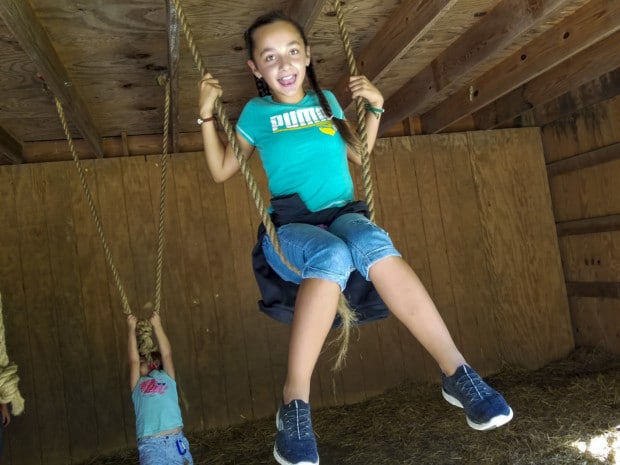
x=205, y=120
x=374, y=110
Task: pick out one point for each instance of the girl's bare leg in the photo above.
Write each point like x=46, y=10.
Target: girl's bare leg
x=405, y=295
x=315, y=310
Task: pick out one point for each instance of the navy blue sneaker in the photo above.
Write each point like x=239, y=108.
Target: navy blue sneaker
x=484, y=406
x=295, y=441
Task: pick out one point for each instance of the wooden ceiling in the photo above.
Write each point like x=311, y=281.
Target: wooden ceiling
x=437, y=62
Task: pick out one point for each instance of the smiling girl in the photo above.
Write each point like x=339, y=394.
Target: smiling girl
x=305, y=145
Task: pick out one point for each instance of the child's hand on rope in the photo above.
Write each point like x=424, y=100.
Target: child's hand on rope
x=155, y=319
x=132, y=321
x=360, y=86
x=210, y=90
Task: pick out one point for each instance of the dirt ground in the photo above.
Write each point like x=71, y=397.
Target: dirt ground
x=567, y=413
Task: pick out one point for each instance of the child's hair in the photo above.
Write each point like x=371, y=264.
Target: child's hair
x=154, y=360
x=349, y=136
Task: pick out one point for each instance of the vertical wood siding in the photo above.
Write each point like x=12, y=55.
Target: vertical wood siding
x=587, y=192
x=470, y=212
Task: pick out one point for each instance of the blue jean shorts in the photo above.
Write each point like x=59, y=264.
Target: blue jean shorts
x=172, y=449
x=329, y=252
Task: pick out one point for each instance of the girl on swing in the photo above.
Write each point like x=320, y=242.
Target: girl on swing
x=304, y=144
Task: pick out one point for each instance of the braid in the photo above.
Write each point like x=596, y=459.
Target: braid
x=262, y=87
x=349, y=136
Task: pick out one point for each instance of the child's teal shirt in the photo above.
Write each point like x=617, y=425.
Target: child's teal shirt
x=300, y=148
x=156, y=404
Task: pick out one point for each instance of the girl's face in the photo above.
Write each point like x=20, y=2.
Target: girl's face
x=280, y=58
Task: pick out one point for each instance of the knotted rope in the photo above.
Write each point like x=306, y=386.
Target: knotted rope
x=9, y=393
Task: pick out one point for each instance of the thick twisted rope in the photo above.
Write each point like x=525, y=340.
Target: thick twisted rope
x=144, y=330
x=165, y=81
x=9, y=393
x=93, y=210
x=345, y=312
x=232, y=139
x=361, y=113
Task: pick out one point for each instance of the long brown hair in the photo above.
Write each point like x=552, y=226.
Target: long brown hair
x=351, y=139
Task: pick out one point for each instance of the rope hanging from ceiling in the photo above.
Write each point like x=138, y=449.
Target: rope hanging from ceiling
x=146, y=344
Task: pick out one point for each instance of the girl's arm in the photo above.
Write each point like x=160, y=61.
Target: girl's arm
x=132, y=352
x=360, y=86
x=164, y=344
x=221, y=158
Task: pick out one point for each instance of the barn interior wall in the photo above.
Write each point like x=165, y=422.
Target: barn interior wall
x=581, y=139
x=471, y=212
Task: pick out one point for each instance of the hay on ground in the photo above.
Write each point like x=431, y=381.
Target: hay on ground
x=561, y=413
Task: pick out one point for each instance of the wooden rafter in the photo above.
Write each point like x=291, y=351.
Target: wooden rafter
x=33, y=39
x=477, y=49
x=577, y=70
x=587, y=26
x=11, y=148
x=410, y=22
x=604, y=87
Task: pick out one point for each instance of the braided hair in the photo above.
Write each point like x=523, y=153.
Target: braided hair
x=351, y=139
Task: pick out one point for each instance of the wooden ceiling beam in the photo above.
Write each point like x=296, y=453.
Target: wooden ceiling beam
x=477, y=49
x=581, y=68
x=21, y=20
x=10, y=148
x=305, y=12
x=406, y=26
x=604, y=87
x=588, y=25
x=173, y=75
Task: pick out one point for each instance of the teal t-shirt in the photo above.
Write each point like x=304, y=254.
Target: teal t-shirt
x=300, y=148
x=156, y=404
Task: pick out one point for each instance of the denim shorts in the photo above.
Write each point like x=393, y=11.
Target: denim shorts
x=332, y=252
x=172, y=449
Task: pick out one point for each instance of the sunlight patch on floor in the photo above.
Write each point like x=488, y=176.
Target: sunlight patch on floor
x=604, y=447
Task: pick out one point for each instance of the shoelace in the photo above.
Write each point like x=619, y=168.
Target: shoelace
x=472, y=386
x=296, y=421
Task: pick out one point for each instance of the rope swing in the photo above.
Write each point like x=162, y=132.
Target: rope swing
x=144, y=330
x=360, y=111
x=346, y=314
x=9, y=393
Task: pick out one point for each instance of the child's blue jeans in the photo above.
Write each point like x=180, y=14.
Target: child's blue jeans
x=332, y=253
x=170, y=449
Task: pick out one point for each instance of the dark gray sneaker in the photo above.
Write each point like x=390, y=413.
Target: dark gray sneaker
x=295, y=441
x=484, y=406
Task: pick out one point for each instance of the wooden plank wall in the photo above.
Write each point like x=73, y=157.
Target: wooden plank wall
x=470, y=212
x=581, y=138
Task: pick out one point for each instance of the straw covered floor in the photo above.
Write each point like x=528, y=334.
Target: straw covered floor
x=567, y=413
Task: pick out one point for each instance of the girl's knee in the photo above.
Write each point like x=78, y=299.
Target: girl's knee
x=335, y=256
x=332, y=262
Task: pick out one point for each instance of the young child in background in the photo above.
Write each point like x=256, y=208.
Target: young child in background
x=159, y=426
x=304, y=144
